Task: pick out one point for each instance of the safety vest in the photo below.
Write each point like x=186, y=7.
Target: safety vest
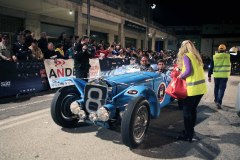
x=222, y=65
x=196, y=84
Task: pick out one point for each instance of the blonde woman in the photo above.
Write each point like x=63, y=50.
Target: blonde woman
x=190, y=62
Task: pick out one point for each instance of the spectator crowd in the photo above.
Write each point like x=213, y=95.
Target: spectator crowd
x=27, y=47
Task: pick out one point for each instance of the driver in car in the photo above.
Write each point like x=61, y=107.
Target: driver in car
x=144, y=65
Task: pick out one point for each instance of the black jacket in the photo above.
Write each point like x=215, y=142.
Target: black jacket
x=42, y=44
x=22, y=51
x=81, y=60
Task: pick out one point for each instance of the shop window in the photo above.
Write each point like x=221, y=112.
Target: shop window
x=130, y=42
x=10, y=24
x=99, y=36
x=54, y=31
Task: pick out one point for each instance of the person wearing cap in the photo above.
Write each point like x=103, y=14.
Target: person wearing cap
x=5, y=51
x=220, y=67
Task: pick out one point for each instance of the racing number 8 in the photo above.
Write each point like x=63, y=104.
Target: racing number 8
x=96, y=100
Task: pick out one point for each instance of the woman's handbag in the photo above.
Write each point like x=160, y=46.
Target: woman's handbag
x=177, y=88
x=175, y=72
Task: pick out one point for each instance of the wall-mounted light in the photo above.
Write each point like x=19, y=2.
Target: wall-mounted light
x=70, y=12
x=153, y=6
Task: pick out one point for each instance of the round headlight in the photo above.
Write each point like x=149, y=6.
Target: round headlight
x=103, y=114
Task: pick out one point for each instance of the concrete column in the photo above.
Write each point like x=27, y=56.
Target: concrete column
x=121, y=34
x=153, y=40
x=78, y=25
x=110, y=38
x=32, y=23
x=165, y=44
x=145, y=46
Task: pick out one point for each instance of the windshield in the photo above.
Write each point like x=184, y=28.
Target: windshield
x=121, y=70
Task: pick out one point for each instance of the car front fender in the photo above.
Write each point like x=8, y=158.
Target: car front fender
x=80, y=84
x=149, y=94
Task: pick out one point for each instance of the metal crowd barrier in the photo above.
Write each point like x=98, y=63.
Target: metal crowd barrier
x=27, y=77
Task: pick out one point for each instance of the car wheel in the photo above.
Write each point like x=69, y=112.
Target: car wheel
x=60, y=107
x=135, y=122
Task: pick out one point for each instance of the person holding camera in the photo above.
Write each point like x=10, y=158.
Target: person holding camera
x=78, y=46
x=83, y=52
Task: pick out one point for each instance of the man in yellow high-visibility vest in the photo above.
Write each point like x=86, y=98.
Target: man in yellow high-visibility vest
x=220, y=68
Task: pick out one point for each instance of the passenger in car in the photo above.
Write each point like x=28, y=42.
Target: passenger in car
x=161, y=67
x=166, y=74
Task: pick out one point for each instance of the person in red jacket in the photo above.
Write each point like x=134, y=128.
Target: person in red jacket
x=101, y=52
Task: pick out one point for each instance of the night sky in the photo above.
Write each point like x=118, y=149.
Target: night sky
x=186, y=12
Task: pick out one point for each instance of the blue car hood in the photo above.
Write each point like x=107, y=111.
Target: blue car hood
x=132, y=78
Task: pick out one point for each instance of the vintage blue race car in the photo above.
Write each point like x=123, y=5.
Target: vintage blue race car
x=128, y=100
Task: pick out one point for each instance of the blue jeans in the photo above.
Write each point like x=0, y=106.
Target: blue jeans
x=219, y=89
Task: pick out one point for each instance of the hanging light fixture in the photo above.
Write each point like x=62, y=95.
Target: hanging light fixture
x=70, y=12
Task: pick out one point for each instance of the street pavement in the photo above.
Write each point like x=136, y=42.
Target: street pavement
x=28, y=132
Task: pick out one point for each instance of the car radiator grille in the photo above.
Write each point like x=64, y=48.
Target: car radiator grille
x=95, y=96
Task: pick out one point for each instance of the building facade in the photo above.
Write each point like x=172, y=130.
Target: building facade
x=110, y=21
x=207, y=37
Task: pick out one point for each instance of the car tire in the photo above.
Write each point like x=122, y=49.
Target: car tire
x=131, y=135
x=60, y=106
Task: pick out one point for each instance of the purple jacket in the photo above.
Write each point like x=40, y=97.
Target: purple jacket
x=188, y=66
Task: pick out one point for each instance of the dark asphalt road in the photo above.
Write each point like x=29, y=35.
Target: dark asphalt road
x=219, y=131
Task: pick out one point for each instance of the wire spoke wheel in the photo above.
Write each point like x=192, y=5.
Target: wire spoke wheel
x=135, y=122
x=140, y=123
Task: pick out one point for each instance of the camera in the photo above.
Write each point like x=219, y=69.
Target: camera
x=90, y=49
